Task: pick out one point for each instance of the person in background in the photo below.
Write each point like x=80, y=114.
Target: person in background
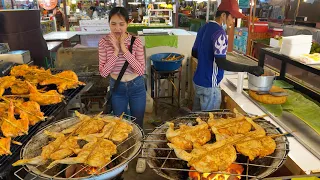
x=113, y=53
x=210, y=49
x=60, y=17
x=93, y=13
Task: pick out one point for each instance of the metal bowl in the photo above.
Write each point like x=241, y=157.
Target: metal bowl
x=261, y=83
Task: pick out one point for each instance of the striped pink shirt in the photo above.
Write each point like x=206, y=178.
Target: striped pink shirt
x=110, y=63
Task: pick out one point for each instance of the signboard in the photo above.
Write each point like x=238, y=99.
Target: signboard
x=48, y=4
x=244, y=3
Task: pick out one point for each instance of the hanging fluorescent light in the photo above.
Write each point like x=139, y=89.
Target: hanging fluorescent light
x=73, y=2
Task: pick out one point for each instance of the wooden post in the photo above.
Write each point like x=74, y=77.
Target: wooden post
x=176, y=16
x=66, y=23
x=296, y=12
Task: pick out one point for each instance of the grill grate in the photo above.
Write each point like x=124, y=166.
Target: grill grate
x=49, y=111
x=136, y=134
x=163, y=160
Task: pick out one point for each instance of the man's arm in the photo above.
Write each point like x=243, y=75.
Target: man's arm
x=220, y=45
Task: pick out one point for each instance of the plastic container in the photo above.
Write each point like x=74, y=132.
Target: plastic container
x=294, y=50
x=276, y=32
x=261, y=27
x=161, y=65
x=297, y=39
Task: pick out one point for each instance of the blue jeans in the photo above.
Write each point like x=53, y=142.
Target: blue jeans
x=206, y=99
x=132, y=93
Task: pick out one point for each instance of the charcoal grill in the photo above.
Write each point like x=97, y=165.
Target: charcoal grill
x=164, y=162
x=127, y=150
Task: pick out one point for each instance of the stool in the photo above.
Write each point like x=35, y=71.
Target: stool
x=156, y=76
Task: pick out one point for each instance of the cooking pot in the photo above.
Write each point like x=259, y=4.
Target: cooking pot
x=261, y=83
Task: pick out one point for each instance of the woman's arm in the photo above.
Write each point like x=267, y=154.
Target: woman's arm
x=136, y=58
x=105, y=64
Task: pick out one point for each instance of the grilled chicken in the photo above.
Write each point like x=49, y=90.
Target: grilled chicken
x=116, y=130
x=209, y=157
x=64, y=80
x=96, y=153
x=87, y=125
x=6, y=82
x=257, y=147
x=60, y=148
x=31, y=111
x=187, y=137
x=229, y=126
x=47, y=98
x=22, y=70
x=11, y=127
x=5, y=146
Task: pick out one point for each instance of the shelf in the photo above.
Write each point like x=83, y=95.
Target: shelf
x=157, y=10
x=160, y=16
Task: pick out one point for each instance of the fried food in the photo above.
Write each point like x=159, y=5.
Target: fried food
x=269, y=99
x=96, y=153
x=37, y=76
x=5, y=146
x=47, y=98
x=209, y=157
x=187, y=137
x=259, y=147
x=64, y=80
x=11, y=127
x=25, y=69
x=60, y=148
x=230, y=126
x=31, y=111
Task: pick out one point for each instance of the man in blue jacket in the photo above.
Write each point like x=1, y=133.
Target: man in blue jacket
x=210, y=49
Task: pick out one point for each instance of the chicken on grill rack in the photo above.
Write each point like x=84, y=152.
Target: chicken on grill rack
x=47, y=98
x=31, y=110
x=6, y=82
x=64, y=80
x=11, y=127
x=57, y=149
x=187, y=137
x=5, y=146
x=96, y=153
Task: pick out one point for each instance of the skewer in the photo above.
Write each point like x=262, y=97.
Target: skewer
x=16, y=142
x=223, y=125
x=26, y=132
x=5, y=99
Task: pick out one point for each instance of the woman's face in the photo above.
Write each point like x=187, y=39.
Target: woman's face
x=118, y=25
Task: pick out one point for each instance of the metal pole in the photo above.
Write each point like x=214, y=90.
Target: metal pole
x=65, y=15
x=208, y=10
x=296, y=13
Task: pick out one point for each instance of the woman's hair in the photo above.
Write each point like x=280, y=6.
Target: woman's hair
x=120, y=11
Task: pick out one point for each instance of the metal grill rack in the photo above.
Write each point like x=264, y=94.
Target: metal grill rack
x=122, y=157
x=163, y=161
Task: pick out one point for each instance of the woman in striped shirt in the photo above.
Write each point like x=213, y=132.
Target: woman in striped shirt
x=113, y=53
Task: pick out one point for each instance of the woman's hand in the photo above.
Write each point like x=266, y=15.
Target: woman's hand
x=123, y=47
x=115, y=44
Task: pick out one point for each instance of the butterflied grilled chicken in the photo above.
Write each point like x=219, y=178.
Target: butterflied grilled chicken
x=31, y=111
x=257, y=147
x=187, y=137
x=64, y=80
x=230, y=126
x=59, y=148
x=209, y=157
x=24, y=69
x=87, y=125
x=6, y=82
x=47, y=98
x=5, y=146
x=96, y=153
x=116, y=130
x=11, y=127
